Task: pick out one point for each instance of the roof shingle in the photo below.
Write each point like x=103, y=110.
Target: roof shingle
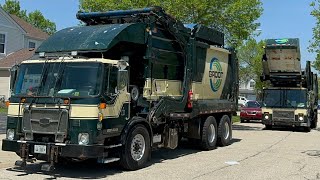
x=16, y=57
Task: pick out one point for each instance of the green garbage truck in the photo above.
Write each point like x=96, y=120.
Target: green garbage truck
x=125, y=83
x=292, y=97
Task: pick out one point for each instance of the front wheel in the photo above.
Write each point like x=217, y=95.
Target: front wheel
x=136, y=151
x=224, y=131
x=209, y=134
x=307, y=129
x=268, y=127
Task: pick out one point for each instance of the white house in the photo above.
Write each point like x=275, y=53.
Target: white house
x=246, y=89
x=18, y=39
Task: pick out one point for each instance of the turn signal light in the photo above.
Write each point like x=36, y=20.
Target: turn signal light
x=66, y=101
x=100, y=117
x=7, y=103
x=102, y=105
x=23, y=100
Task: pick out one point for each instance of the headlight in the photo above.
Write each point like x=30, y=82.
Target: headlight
x=266, y=116
x=300, y=115
x=83, y=138
x=10, y=134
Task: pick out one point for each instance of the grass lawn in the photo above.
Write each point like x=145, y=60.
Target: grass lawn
x=3, y=110
x=235, y=119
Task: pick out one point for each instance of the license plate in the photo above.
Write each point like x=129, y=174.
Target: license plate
x=41, y=149
x=303, y=124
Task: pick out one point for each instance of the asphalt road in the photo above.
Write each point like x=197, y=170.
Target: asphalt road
x=254, y=154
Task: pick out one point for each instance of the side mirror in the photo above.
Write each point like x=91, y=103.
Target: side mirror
x=13, y=75
x=123, y=79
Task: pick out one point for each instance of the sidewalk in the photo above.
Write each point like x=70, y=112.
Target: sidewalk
x=7, y=159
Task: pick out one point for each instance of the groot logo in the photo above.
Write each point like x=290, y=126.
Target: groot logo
x=215, y=74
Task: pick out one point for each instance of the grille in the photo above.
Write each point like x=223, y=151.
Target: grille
x=283, y=115
x=46, y=121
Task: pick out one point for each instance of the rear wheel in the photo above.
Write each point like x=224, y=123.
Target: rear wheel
x=209, y=134
x=136, y=151
x=224, y=131
x=314, y=122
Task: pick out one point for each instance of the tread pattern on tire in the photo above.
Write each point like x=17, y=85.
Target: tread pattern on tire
x=221, y=140
x=126, y=160
x=205, y=145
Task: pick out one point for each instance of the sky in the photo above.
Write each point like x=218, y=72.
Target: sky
x=280, y=19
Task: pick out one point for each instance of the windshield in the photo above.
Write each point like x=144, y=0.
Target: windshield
x=71, y=79
x=252, y=104
x=285, y=98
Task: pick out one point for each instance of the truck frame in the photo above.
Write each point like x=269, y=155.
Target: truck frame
x=126, y=83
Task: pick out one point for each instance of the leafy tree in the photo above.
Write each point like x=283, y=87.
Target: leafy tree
x=39, y=21
x=35, y=18
x=250, y=63
x=315, y=43
x=237, y=18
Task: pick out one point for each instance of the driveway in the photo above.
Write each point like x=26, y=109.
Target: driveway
x=3, y=123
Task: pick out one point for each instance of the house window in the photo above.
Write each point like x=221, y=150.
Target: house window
x=2, y=43
x=252, y=84
x=32, y=45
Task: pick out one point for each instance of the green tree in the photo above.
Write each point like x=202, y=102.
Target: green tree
x=35, y=18
x=315, y=43
x=250, y=63
x=237, y=18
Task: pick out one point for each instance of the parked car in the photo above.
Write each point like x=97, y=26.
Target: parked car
x=250, y=111
x=242, y=101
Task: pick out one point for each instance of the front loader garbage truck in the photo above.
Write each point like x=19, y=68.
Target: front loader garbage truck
x=126, y=83
x=291, y=100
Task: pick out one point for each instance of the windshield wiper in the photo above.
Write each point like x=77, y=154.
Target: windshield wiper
x=44, y=75
x=59, y=78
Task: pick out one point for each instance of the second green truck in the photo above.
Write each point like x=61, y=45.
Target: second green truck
x=292, y=97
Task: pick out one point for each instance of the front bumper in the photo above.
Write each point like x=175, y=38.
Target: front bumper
x=287, y=122
x=250, y=116
x=62, y=150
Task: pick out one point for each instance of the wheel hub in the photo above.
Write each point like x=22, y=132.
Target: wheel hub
x=226, y=130
x=211, y=133
x=138, y=146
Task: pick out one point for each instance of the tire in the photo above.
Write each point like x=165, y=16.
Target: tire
x=307, y=129
x=268, y=127
x=313, y=125
x=241, y=120
x=314, y=122
x=209, y=134
x=224, y=131
x=131, y=158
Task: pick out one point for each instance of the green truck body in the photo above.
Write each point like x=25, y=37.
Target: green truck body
x=125, y=83
x=291, y=100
